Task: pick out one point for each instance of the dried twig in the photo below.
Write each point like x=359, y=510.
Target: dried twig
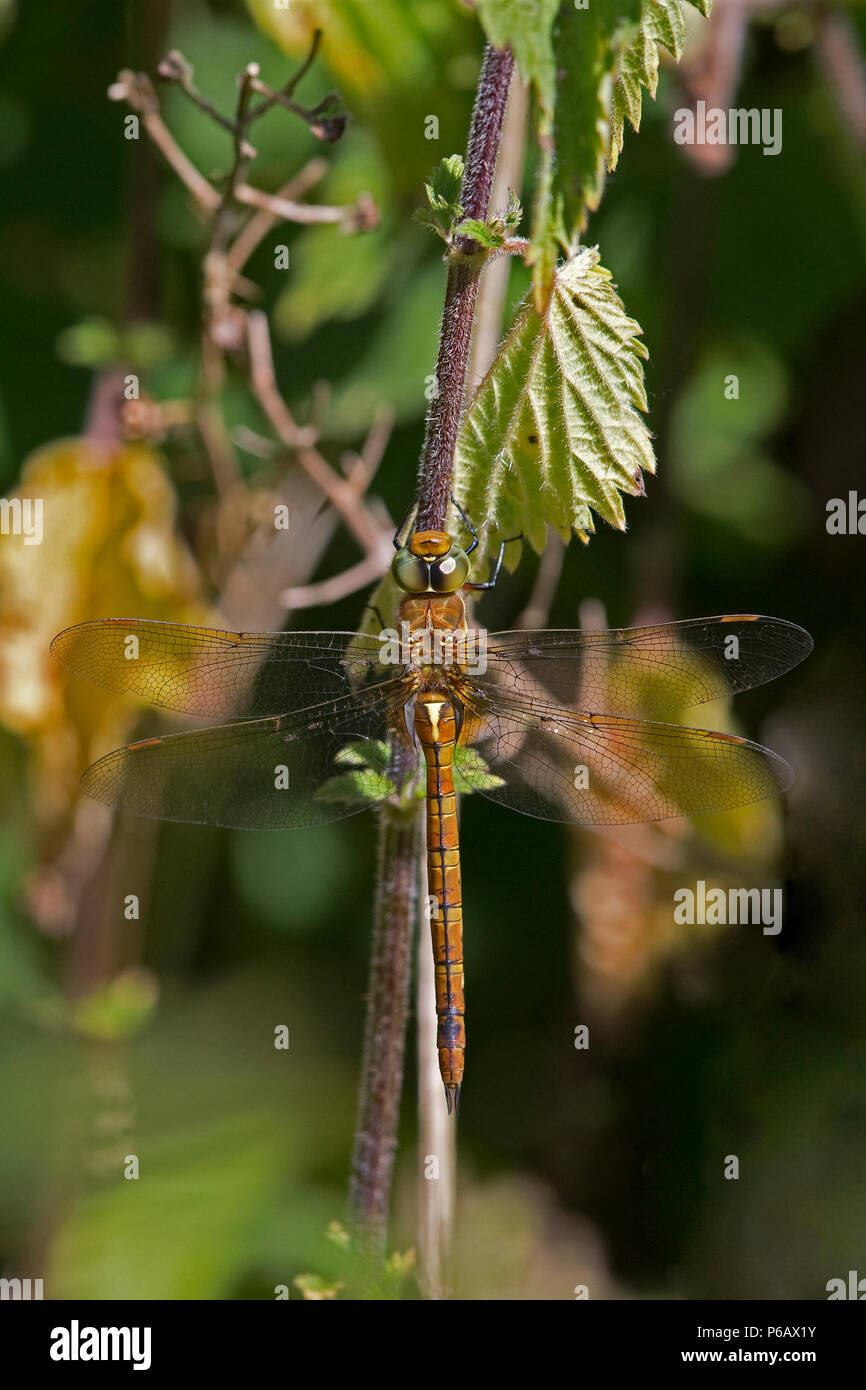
x=537, y=610
x=339, y=586
x=384, y=1040
x=235, y=234
x=360, y=215
x=137, y=91
x=256, y=228
x=360, y=468
x=343, y=496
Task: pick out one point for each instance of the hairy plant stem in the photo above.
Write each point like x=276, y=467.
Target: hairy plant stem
x=443, y=420
x=385, y=1032
x=400, y=843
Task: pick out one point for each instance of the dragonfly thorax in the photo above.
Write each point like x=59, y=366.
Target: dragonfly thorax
x=430, y=563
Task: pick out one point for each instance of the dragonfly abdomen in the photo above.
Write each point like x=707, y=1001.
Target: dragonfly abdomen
x=436, y=730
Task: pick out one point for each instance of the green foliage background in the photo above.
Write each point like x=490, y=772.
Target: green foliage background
x=608, y=1162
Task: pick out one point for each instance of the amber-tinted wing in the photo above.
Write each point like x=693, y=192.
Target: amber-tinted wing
x=608, y=770
x=205, y=671
x=262, y=774
x=654, y=672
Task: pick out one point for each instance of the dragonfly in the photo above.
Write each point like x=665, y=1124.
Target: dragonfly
x=569, y=726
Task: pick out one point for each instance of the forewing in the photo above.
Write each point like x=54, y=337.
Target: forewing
x=652, y=671
x=607, y=770
x=206, y=671
x=263, y=774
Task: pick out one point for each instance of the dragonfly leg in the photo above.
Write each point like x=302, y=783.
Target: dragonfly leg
x=489, y=584
x=468, y=524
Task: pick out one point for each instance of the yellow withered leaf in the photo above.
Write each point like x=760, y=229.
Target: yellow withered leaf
x=368, y=48
x=102, y=543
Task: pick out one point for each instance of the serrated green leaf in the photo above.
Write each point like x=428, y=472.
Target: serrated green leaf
x=572, y=165
x=359, y=788
x=372, y=753
x=435, y=221
x=443, y=209
x=605, y=55
x=468, y=763
x=554, y=433
x=447, y=180
x=487, y=234
x=513, y=214
x=636, y=56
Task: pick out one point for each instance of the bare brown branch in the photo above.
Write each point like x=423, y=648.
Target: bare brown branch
x=137, y=91
x=257, y=227
x=301, y=440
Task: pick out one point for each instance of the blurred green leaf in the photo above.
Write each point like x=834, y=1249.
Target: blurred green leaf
x=97, y=343
x=718, y=465
x=15, y=126
x=398, y=363
x=293, y=886
x=335, y=276
x=117, y=1009
x=92, y=343
x=180, y=1231
x=21, y=981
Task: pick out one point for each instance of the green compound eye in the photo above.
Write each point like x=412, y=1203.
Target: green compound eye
x=451, y=572
x=410, y=572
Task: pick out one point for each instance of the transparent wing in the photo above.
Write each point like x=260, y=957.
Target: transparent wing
x=263, y=774
x=651, y=671
x=608, y=770
x=205, y=671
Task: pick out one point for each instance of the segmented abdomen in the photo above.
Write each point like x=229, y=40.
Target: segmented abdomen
x=436, y=730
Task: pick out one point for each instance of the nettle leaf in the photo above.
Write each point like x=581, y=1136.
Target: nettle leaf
x=469, y=764
x=372, y=754
x=554, y=434
x=574, y=142
x=447, y=179
x=492, y=232
x=487, y=234
x=443, y=210
x=356, y=789
x=513, y=214
x=660, y=22
x=362, y=780
x=584, y=63
x=605, y=55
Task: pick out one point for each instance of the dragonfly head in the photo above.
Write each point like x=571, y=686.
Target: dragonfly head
x=430, y=563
